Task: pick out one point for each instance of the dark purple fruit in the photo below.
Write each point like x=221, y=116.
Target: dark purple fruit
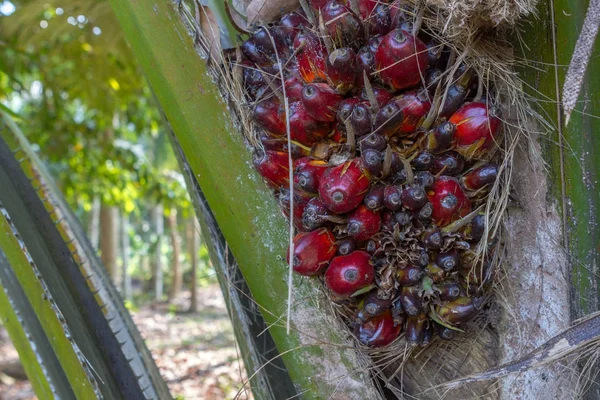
x=392, y=197
x=373, y=162
x=346, y=247
x=414, y=197
x=449, y=261
x=409, y=275
x=374, y=199
x=411, y=300
x=372, y=141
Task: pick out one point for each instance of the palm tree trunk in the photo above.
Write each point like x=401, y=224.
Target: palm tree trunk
x=125, y=253
x=94, y=222
x=109, y=235
x=176, y=246
x=193, y=240
x=157, y=272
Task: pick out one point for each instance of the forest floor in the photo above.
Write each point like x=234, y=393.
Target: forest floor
x=195, y=352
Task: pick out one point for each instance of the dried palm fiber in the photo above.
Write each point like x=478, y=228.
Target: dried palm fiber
x=477, y=32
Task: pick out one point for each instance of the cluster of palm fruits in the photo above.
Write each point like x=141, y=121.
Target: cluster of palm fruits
x=391, y=162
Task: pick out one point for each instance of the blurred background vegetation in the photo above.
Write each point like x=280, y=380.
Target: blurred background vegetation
x=69, y=80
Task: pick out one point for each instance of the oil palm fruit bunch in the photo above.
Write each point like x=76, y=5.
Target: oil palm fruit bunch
x=392, y=158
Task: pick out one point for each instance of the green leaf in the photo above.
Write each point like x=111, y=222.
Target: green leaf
x=98, y=321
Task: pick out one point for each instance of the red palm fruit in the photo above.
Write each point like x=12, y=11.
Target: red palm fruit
x=365, y=61
x=379, y=331
x=254, y=83
x=341, y=23
x=345, y=109
x=401, y=59
x=446, y=333
x=294, y=20
x=432, y=239
x=374, y=199
x=321, y=101
x=257, y=49
x=409, y=275
x=307, y=174
x=315, y=214
x=449, y=163
x=457, y=93
x=363, y=223
x=427, y=334
x=436, y=273
x=449, y=201
x=373, y=162
x=476, y=129
x=480, y=177
x=413, y=197
x=281, y=144
x=293, y=89
x=441, y=137
x=347, y=274
x=459, y=311
x=380, y=22
x=432, y=78
x=339, y=134
x=360, y=119
x=476, y=228
x=402, y=218
x=423, y=161
x=341, y=69
x=387, y=220
x=365, y=7
x=346, y=247
x=414, y=107
x=271, y=116
x=311, y=56
x=448, y=261
x=317, y=4
x=274, y=167
x=411, y=300
x=372, y=141
x=374, y=42
x=434, y=52
x=342, y=188
x=424, y=213
x=392, y=197
x=303, y=128
x=397, y=311
x=388, y=120
x=283, y=37
x=301, y=199
x=425, y=179
x=398, y=13
x=313, y=251
x=372, y=246
x=415, y=329
x=382, y=95
x=448, y=290
x=372, y=306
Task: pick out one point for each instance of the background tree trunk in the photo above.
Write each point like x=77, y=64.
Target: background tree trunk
x=125, y=251
x=109, y=236
x=193, y=240
x=157, y=272
x=94, y=223
x=176, y=246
